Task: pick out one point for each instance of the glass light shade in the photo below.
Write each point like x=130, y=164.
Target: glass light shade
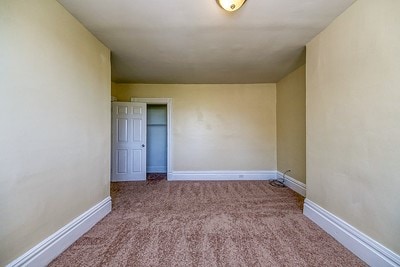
x=231, y=5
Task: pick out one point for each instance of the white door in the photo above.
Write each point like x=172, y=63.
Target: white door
x=128, y=152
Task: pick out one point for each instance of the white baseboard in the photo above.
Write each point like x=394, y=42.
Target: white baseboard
x=221, y=175
x=47, y=250
x=293, y=184
x=367, y=249
x=169, y=176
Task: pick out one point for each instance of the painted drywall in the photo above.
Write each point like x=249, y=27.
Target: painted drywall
x=217, y=127
x=185, y=41
x=353, y=119
x=55, y=122
x=291, y=124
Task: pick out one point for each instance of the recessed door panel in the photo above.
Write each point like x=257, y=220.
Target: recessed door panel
x=122, y=126
x=122, y=161
x=122, y=110
x=136, y=160
x=137, y=130
x=137, y=110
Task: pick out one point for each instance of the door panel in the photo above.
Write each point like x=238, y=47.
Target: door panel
x=137, y=130
x=122, y=110
x=122, y=130
x=137, y=159
x=122, y=160
x=128, y=141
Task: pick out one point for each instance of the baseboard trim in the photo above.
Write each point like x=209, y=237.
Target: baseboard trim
x=47, y=250
x=367, y=249
x=293, y=184
x=221, y=175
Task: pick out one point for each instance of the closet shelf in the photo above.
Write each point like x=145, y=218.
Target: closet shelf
x=157, y=124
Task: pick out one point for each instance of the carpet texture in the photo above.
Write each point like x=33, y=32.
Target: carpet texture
x=240, y=223
x=156, y=176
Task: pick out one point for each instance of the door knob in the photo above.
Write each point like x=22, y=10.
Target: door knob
x=142, y=145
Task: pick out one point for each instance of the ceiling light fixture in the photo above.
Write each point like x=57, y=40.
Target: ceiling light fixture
x=231, y=5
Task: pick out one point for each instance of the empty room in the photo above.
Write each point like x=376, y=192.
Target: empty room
x=200, y=133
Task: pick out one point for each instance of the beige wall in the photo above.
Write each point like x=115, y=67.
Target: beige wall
x=217, y=127
x=291, y=124
x=353, y=119
x=55, y=122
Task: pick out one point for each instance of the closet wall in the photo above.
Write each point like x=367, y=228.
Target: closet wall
x=156, y=138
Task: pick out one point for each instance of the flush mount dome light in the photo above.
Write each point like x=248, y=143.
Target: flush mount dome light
x=231, y=5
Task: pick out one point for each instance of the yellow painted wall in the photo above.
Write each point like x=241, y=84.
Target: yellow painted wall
x=55, y=122
x=291, y=124
x=217, y=126
x=353, y=119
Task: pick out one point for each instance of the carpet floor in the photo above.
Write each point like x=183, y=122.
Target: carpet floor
x=230, y=223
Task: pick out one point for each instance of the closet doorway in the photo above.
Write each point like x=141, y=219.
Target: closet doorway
x=156, y=139
x=159, y=141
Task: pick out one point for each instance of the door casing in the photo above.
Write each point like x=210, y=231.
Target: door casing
x=168, y=102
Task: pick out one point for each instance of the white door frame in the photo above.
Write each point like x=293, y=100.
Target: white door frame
x=168, y=102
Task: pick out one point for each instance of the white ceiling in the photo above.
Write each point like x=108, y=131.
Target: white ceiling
x=196, y=41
